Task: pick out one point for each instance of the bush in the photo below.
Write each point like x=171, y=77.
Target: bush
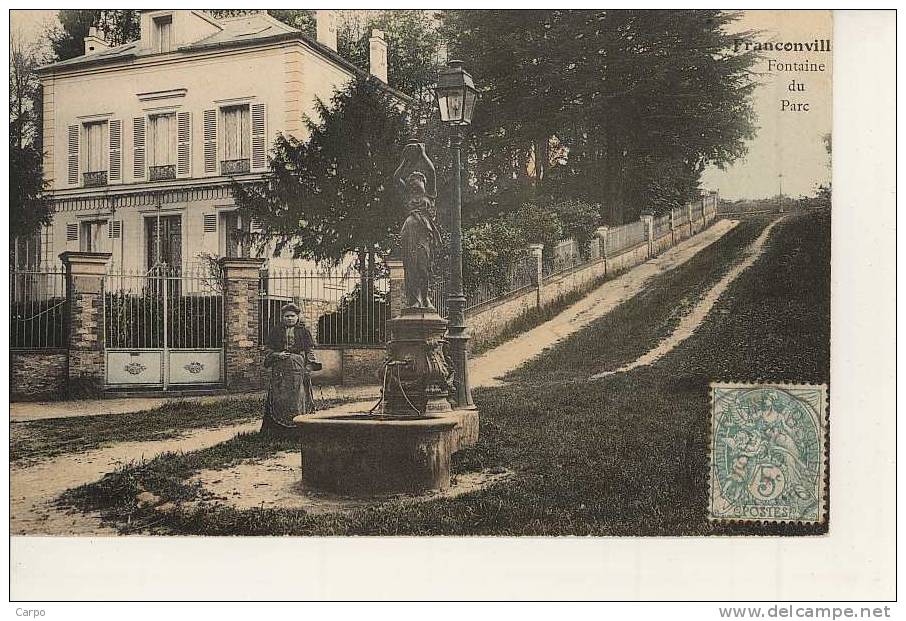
x=539, y=225
x=489, y=251
x=579, y=221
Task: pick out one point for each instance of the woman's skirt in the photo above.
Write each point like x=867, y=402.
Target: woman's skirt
x=289, y=394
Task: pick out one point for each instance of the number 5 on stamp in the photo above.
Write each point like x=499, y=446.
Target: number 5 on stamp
x=768, y=451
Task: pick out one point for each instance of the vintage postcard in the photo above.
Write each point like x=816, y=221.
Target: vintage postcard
x=297, y=272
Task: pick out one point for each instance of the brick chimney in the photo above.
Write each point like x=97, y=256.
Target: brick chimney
x=326, y=25
x=94, y=42
x=378, y=55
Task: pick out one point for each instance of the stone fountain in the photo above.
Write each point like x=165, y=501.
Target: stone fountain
x=407, y=445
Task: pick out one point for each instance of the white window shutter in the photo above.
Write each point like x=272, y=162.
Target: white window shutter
x=183, y=144
x=138, y=135
x=72, y=232
x=114, y=229
x=259, y=136
x=210, y=141
x=210, y=223
x=73, y=155
x=116, y=150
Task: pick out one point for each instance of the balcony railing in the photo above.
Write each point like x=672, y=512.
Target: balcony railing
x=162, y=173
x=94, y=178
x=234, y=167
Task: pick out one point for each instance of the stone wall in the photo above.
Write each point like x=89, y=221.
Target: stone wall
x=556, y=287
x=662, y=243
x=627, y=259
x=36, y=374
x=487, y=321
x=362, y=365
x=681, y=233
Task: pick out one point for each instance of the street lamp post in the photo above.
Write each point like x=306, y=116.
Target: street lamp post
x=456, y=95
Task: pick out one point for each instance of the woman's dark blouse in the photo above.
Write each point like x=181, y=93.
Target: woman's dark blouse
x=276, y=340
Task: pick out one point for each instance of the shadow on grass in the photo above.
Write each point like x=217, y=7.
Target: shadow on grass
x=34, y=441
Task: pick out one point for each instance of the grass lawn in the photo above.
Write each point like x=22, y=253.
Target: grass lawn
x=625, y=455
x=35, y=441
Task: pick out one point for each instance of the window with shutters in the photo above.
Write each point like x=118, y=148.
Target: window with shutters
x=95, y=151
x=116, y=150
x=235, y=139
x=138, y=146
x=115, y=229
x=184, y=144
x=72, y=154
x=161, y=146
x=163, y=33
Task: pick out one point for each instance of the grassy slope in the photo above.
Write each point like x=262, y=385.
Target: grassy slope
x=622, y=456
x=641, y=322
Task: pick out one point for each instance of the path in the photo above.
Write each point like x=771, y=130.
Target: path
x=486, y=370
x=693, y=319
x=28, y=411
x=34, y=488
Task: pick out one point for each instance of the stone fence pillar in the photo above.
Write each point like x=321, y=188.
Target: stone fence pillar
x=648, y=219
x=397, y=282
x=601, y=234
x=691, y=219
x=85, y=316
x=241, y=352
x=538, y=253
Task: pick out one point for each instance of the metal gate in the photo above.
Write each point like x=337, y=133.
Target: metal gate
x=164, y=329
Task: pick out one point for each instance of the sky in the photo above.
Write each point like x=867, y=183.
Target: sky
x=787, y=143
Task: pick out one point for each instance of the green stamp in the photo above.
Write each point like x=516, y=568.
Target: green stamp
x=768, y=448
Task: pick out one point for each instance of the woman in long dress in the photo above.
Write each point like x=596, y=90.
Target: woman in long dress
x=419, y=236
x=290, y=357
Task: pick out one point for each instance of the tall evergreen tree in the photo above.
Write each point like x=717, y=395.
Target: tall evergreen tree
x=333, y=194
x=28, y=208
x=118, y=26
x=642, y=100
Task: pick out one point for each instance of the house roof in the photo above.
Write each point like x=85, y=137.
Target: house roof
x=235, y=32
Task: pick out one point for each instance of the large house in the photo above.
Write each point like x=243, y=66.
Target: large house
x=142, y=140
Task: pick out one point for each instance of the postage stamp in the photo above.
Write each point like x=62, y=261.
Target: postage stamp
x=768, y=452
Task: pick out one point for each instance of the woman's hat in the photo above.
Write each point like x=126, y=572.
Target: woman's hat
x=290, y=307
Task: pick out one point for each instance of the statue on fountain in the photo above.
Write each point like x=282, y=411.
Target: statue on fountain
x=419, y=373
x=419, y=236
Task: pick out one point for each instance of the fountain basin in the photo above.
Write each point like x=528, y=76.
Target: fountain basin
x=370, y=455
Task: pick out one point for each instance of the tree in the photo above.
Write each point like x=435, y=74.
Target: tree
x=333, y=194
x=28, y=208
x=301, y=19
x=117, y=26
x=641, y=101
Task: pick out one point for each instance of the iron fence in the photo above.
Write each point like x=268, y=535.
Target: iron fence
x=166, y=307
x=563, y=257
x=662, y=226
x=37, y=318
x=523, y=274
x=622, y=238
x=339, y=308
